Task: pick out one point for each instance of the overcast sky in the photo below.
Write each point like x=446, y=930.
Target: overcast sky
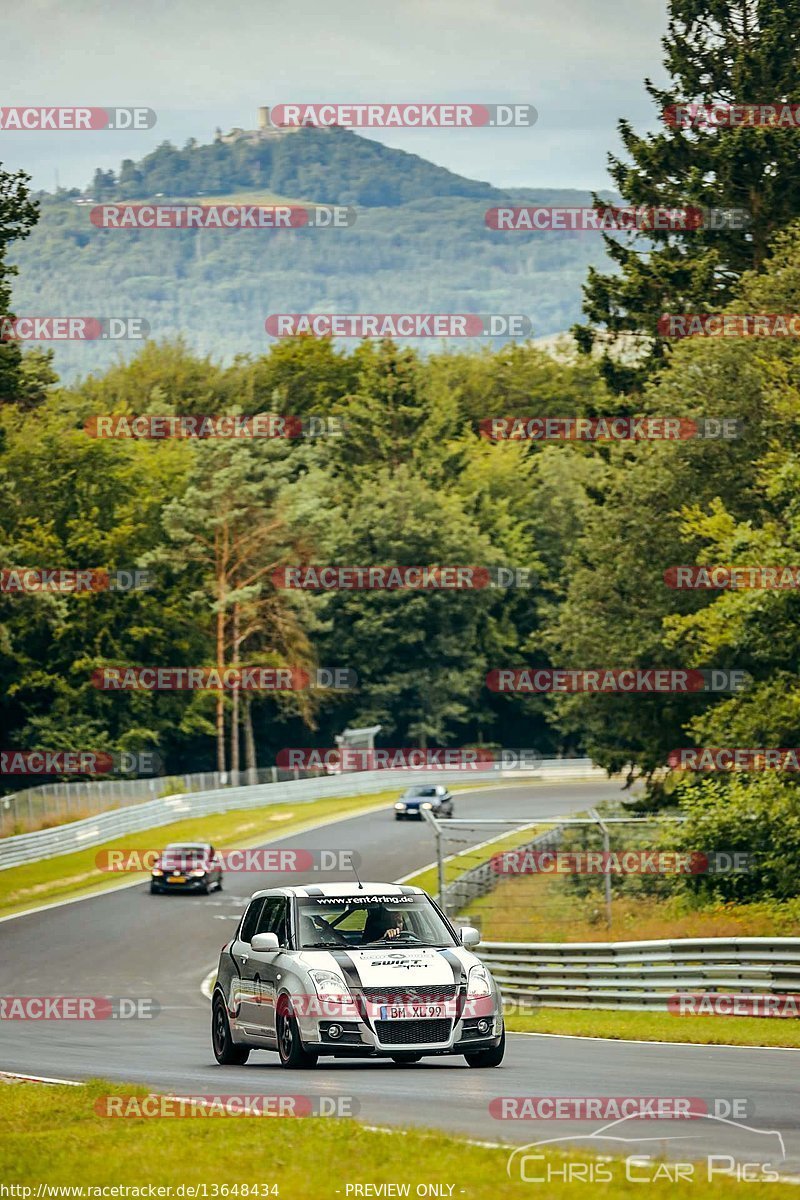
x=203, y=63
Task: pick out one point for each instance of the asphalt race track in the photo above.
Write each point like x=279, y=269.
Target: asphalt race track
x=134, y=944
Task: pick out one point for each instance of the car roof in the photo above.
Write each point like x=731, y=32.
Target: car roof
x=343, y=889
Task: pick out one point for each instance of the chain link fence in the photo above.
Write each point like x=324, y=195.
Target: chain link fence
x=556, y=878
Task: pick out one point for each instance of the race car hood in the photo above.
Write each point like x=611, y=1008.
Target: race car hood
x=380, y=966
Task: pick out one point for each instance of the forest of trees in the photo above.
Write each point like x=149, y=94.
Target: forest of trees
x=412, y=481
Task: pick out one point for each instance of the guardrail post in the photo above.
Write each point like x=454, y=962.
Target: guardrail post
x=606, y=855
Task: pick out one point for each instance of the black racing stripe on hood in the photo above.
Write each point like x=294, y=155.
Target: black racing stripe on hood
x=352, y=979
x=459, y=978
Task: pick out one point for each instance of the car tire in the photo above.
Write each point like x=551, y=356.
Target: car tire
x=226, y=1052
x=291, y=1051
x=406, y=1060
x=491, y=1057
x=219, y=884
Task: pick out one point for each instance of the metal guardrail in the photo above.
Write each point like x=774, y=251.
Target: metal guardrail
x=54, y=803
x=93, y=831
x=639, y=975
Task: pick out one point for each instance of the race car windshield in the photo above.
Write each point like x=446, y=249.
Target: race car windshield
x=370, y=920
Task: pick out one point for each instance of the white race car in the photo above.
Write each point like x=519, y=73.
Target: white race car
x=350, y=970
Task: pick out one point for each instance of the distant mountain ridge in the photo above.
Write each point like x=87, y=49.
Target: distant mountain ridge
x=420, y=244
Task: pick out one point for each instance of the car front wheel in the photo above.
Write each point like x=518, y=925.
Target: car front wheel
x=291, y=1050
x=226, y=1052
x=492, y=1057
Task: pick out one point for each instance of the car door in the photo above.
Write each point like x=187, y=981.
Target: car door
x=244, y=1001
x=263, y=967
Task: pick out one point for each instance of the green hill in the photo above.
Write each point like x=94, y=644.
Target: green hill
x=419, y=244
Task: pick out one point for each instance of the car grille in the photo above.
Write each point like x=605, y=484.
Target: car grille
x=412, y=1033
x=431, y=993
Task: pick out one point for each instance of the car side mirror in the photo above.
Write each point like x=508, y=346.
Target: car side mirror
x=263, y=943
x=469, y=936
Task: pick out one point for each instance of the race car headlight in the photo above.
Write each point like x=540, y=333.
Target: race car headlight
x=427, y=804
x=328, y=983
x=478, y=983
x=400, y=804
x=156, y=871
x=197, y=874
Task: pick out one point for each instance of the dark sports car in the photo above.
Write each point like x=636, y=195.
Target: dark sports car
x=187, y=867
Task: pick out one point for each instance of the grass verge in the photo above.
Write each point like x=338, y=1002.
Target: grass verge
x=550, y=908
x=52, y=1135
x=659, y=1027
x=73, y=874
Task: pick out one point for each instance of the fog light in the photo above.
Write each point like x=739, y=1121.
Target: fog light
x=483, y=1026
x=334, y=1031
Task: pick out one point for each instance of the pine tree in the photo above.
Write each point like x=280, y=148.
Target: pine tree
x=18, y=215
x=737, y=52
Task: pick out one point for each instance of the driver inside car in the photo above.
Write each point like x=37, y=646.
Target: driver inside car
x=381, y=923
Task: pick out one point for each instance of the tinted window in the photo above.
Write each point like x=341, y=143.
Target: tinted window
x=273, y=918
x=251, y=920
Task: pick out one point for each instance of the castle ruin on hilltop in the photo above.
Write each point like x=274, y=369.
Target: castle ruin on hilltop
x=265, y=132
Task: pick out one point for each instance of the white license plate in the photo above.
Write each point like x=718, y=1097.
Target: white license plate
x=411, y=1012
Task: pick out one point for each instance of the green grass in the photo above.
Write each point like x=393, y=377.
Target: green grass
x=549, y=908
x=72, y=874
x=660, y=1027
x=52, y=1135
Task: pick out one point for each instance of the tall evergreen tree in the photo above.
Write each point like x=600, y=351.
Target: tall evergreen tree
x=18, y=215
x=716, y=52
